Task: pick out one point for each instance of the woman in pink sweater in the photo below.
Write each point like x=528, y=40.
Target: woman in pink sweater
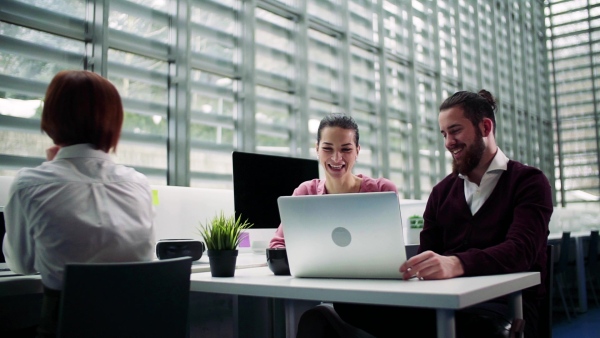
x=337, y=150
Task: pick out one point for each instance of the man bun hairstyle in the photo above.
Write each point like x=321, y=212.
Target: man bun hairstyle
x=488, y=97
x=476, y=106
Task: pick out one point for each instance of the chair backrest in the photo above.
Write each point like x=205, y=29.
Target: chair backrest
x=563, y=259
x=545, y=310
x=137, y=299
x=592, y=256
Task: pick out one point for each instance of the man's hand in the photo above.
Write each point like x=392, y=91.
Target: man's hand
x=429, y=265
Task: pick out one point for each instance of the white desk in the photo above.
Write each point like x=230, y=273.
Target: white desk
x=20, y=302
x=445, y=296
x=20, y=285
x=244, y=260
x=32, y=284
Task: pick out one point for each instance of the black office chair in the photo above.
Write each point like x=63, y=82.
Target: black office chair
x=323, y=317
x=560, y=273
x=592, y=264
x=137, y=299
x=545, y=310
x=335, y=325
x=313, y=322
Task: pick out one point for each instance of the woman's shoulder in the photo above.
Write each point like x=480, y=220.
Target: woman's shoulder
x=129, y=173
x=310, y=187
x=377, y=184
x=44, y=173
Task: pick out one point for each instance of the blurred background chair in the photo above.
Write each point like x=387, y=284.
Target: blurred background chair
x=545, y=311
x=591, y=264
x=138, y=299
x=560, y=273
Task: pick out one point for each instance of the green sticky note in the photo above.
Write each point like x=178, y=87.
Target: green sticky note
x=154, y=197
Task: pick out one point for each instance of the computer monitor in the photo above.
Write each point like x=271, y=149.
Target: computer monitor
x=259, y=179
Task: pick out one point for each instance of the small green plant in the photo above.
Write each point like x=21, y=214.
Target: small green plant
x=223, y=233
x=416, y=222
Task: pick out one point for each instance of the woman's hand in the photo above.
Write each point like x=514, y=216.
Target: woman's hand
x=429, y=265
x=51, y=152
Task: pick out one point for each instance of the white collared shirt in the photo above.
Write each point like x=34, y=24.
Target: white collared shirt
x=476, y=195
x=79, y=207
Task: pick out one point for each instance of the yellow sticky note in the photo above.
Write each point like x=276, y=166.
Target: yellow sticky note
x=154, y=197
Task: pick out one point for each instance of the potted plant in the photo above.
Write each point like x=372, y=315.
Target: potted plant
x=416, y=225
x=222, y=235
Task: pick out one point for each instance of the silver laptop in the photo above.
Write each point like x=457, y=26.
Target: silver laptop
x=355, y=235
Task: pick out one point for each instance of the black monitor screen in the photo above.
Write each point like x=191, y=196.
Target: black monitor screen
x=258, y=180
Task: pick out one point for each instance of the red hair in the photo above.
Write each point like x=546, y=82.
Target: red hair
x=82, y=107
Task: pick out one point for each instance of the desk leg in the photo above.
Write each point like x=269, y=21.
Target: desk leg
x=446, y=327
x=515, y=303
x=581, y=287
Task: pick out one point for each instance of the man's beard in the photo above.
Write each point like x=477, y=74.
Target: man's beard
x=471, y=158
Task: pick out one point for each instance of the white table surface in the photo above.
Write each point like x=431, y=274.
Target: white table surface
x=244, y=260
x=443, y=295
x=20, y=285
x=32, y=284
x=456, y=293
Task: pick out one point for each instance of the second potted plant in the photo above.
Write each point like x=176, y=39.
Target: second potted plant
x=222, y=235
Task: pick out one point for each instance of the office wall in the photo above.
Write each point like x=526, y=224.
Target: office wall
x=202, y=78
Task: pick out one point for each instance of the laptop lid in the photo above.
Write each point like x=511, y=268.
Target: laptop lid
x=356, y=235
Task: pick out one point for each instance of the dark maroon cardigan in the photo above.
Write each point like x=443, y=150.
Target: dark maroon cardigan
x=507, y=234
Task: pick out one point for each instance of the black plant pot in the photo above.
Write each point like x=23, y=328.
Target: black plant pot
x=222, y=262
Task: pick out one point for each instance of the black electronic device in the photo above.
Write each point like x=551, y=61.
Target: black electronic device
x=259, y=179
x=2, y=232
x=173, y=248
x=277, y=261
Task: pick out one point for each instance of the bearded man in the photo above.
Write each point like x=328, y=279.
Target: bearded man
x=489, y=216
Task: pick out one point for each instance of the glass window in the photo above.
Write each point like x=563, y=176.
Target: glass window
x=201, y=78
x=29, y=59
